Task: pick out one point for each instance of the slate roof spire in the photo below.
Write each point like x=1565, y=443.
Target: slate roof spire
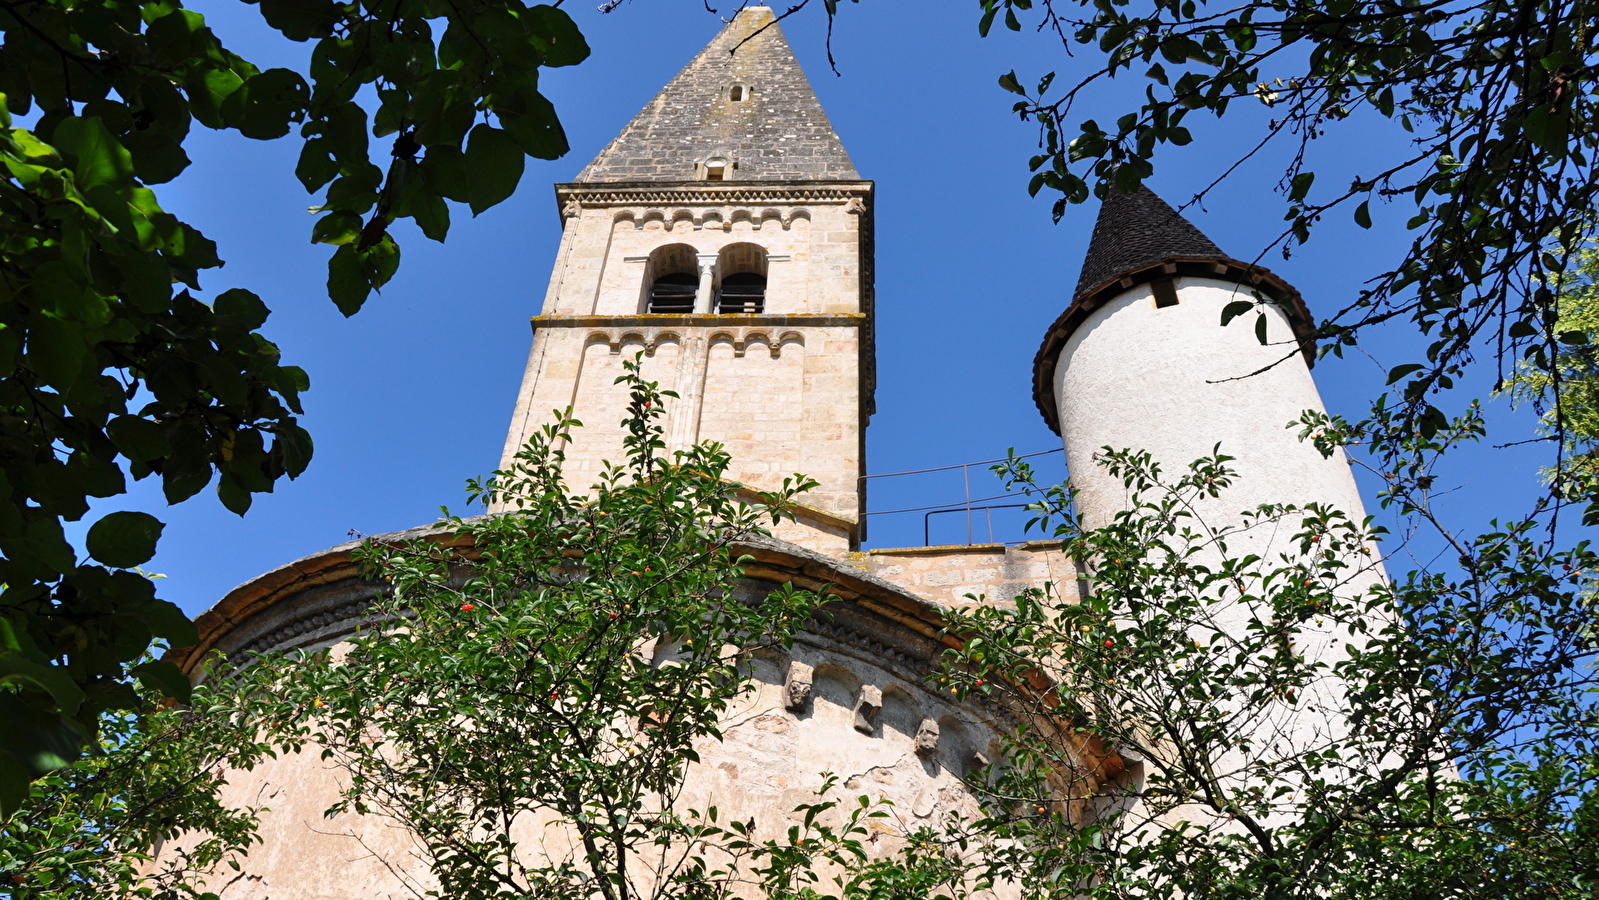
x=777, y=132
x=1134, y=230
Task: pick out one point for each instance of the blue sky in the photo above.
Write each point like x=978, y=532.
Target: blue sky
x=413, y=395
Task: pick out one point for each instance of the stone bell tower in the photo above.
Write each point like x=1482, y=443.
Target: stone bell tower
x=725, y=235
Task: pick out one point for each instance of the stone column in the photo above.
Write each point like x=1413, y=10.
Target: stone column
x=702, y=300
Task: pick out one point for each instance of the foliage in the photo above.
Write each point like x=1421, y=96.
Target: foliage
x=1292, y=724
x=105, y=371
x=528, y=698
x=1493, y=171
x=92, y=828
x=1566, y=394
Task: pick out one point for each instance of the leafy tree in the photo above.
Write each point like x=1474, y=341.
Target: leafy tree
x=89, y=828
x=1291, y=726
x=106, y=372
x=1494, y=174
x=1566, y=394
x=551, y=669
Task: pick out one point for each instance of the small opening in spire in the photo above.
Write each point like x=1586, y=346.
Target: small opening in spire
x=736, y=94
x=714, y=171
x=1165, y=293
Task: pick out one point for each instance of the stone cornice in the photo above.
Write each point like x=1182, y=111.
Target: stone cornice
x=660, y=320
x=703, y=193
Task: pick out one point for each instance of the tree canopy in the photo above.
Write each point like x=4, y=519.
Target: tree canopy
x=110, y=366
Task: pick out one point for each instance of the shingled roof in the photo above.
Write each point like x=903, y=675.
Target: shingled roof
x=779, y=133
x=1134, y=230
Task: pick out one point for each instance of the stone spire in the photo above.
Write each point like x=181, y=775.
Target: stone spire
x=776, y=131
x=1134, y=230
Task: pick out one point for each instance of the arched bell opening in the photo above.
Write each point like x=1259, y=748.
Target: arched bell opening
x=742, y=290
x=671, y=280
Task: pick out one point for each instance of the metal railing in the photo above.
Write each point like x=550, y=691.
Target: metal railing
x=968, y=504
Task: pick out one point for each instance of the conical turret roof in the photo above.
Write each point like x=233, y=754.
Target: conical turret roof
x=1134, y=230
x=1138, y=239
x=777, y=131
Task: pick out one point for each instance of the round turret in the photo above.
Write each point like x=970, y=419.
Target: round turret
x=1139, y=361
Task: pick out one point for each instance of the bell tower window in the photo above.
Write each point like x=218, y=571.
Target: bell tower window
x=736, y=94
x=671, y=280
x=673, y=293
x=743, y=284
x=742, y=293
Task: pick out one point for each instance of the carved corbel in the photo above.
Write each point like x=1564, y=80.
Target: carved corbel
x=797, y=686
x=927, y=738
x=867, y=705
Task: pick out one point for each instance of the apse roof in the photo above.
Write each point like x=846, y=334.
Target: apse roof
x=777, y=132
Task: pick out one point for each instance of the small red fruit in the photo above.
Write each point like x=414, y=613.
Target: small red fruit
x=1110, y=643
x=468, y=607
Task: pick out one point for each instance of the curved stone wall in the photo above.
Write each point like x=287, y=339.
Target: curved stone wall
x=851, y=698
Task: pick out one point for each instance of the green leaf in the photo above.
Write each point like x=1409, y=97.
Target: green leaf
x=208, y=88
x=1260, y=328
x=171, y=37
x=444, y=172
x=124, y=539
x=160, y=675
x=55, y=350
x=432, y=215
x=317, y=166
x=263, y=106
x=345, y=130
x=556, y=36
x=1363, y=214
x=38, y=737
x=167, y=622
x=14, y=781
x=493, y=167
x=243, y=306
x=347, y=285
x=96, y=157
x=990, y=10
x=17, y=670
x=352, y=273
x=138, y=438
x=301, y=20
x=234, y=496
x=1235, y=309
x=532, y=123
x=1009, y=82
x=1398, y=372
x=1299, y=188
x=336, y=228
x=157, y=158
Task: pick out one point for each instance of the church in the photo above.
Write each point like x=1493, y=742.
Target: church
x=726, y=236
